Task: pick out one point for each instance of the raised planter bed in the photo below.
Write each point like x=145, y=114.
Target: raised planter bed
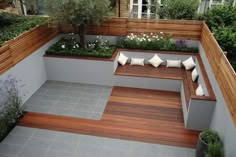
x=15, y=50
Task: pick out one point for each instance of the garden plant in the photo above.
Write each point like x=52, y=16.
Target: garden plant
x=70, y=47
x=78, y=14
x=13, y=25
x=10, y=105
x=156, y=41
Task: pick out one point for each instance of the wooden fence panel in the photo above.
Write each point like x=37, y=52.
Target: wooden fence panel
x=15, y=50
x=180, y=29
x=224, y=73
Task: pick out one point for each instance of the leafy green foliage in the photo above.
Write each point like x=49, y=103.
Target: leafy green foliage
x=210, y=136
x=152, y=41
x=221, y=16
x=10, y=105
x=178, y=9
x=78, y=13
x=226, y=37
x=70, y=47
x=14, y=25
x=215, y=150
x=222, y=21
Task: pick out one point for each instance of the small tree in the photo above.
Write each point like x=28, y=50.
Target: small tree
x=78, y=14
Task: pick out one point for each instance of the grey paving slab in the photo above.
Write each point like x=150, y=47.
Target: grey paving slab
x=88, y=151
x=59, y=146
x=52, y=153
x=70, y=99
x=46, y=143
x=4, y=155
x=8, y=149
x=15, y=139
x=115, y=153
x=32, y=152
x=36, y=142
x=44, y=134
x=19, y=130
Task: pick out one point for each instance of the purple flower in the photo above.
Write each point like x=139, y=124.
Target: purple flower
x=180, y=43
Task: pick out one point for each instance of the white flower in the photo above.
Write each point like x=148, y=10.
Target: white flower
x=149, y=40
x=63, y=46
x=151, y=33
x=73, y=47
x=161, y=32
x=77, y=45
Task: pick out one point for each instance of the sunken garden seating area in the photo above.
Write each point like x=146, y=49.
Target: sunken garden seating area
x=148, y=104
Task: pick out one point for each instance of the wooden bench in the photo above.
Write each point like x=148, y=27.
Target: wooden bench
x=189, y=87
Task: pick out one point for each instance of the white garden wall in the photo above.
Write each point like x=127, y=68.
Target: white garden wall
x=31, y=71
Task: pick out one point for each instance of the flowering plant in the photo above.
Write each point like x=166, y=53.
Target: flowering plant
x=10, y=104
x=70, y=47
x=99, y=43
x=156, y=41
x=151, y=41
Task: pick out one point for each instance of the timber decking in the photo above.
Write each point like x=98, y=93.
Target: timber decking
x=133, y=114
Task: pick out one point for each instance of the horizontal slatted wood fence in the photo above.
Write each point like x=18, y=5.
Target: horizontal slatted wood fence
x=181, y=29
x=224, y=73
x=15, y=50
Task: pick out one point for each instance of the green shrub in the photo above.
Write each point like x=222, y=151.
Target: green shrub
x=215, y=150
x=178, y=9
x=14, y=25
x=210, y=136
x=10, y=105
x=154, y=41
x=226, y=37
x=221, y=16
x=70, y=47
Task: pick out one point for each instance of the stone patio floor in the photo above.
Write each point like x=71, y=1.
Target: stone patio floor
x=70, y=99
x=30, y=142
x=77, y=100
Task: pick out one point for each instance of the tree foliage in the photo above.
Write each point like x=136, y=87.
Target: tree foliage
x=178, y=9
x=221, y=16
x=77, y=13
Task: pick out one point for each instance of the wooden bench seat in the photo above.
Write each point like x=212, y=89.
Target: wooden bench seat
x=174, y=79
x=149, y=71
x=163, y=72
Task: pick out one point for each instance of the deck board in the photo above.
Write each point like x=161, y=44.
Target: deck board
x=133, y=114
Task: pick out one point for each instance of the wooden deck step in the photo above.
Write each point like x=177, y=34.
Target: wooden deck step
x=135, y=119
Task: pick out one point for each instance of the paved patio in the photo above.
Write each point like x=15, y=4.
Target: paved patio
x=77, y=100
x=30, y=142
x=70, y=99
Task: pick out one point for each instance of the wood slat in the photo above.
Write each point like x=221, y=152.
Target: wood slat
x=180, y=29
x=126, y=120
x=223, y=71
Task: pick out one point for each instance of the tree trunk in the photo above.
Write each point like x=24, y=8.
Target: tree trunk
x=82, y=35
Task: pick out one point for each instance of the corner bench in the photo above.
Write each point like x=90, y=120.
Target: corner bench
x=197, y=110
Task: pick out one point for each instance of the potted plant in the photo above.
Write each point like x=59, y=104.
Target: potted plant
x=215, y=150
x=205, y=138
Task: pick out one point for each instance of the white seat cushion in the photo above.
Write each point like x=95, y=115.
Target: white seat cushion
x=199, y=91
x=194, y=74
x=156, y=61
x=122, y=59
x=173, y=63
x=189, y=63
x=137, y=61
